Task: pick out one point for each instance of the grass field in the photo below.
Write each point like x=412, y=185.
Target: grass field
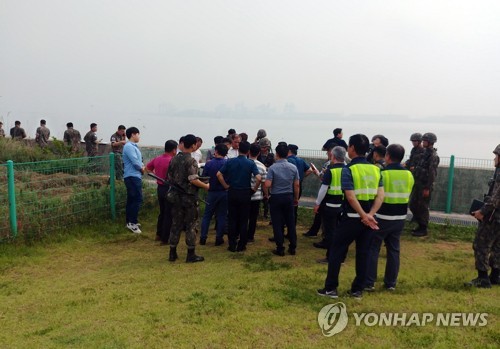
x=102, y=287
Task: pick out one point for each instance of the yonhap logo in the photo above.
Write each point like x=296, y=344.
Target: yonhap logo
x=332, y=319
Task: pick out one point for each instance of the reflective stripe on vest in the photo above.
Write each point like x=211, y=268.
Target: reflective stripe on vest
x=366, y=178
x=397, y=186
x=335, y=185
x=390, y=218
x=333, y=205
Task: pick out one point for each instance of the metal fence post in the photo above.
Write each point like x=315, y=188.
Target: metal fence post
x=112, y=199
x=12, y=197
x=451, y=173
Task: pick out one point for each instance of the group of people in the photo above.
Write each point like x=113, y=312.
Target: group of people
x=73, y=139
x=364, y=197
x=240, y=177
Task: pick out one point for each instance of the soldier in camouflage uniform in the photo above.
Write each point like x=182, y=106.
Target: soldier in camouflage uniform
x=183, y=195
x=17, y=132
x=72, y=138
x=91, y=141
x=425, y=173
x=118, y=140
x=416, y=152
x=487, y=242
x=42, y=134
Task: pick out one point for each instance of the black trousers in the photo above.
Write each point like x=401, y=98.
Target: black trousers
x=348, y=231
x=330, y=216
x=238, y=201
x=164, y=222
x=390, y=234
x=252, y=221
x=282, y=214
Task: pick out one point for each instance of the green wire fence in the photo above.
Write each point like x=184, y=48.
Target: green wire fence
x=39, y=197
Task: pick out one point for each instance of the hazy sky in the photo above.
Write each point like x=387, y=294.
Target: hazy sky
x=417, y=58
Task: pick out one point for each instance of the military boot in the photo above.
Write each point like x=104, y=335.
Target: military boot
x=173, y=254
x=421, y=231
x=192, y=257
x=479, y=282
x=495, y=277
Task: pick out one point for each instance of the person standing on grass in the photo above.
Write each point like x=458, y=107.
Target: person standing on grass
x=118, y=141
x=283, y=183
x=398, y=183
x=259, y=195
x=17, y=132
x=72, y=138
x=132, y=176
x=487, y=241
x=303, y=168
x=425, y=174
x=416, y=151
x=183, y=195
x=238, y=172
x=2, y=131
x=235, y=145
x=159, y=166
x=91, y=141
x=216, y=198
x=42, y=134
x=197, y=155
x=330, y=197
x=364, y=192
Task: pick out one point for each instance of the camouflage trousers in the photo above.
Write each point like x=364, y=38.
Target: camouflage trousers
x=184, y=217
x=487, y=245
x=419, y=206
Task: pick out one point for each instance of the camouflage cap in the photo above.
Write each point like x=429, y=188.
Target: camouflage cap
x=497, y=150
x=416, y=137
x=264, y=142
x=429, y=137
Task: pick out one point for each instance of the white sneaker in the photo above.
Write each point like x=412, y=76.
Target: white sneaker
x=133, y=228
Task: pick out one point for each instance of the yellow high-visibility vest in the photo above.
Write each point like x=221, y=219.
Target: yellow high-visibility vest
x=366, y=178
x=335, y=184
x=397, y=186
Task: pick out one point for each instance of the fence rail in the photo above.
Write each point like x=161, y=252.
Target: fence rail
x=40, y=197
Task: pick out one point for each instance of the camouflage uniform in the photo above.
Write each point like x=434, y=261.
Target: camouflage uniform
x=42, y=136
x=118, y=150
x=183, y=169
x=425, y=173
x=17, y=133
x=487, y=241
x=72, y=138
x=91, y=143
x=415, y=155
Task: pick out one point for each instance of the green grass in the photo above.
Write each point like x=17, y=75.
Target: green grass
x=102, y=287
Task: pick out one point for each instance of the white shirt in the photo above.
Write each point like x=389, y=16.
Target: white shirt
x=232, y=153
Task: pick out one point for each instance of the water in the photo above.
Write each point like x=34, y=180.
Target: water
x=462, y=139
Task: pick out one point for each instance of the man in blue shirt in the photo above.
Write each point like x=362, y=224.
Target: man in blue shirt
x=216, y=198
x=283, y=181
x=132, y=176
x=363, y=189
x=238, y=172
x=303, y=168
